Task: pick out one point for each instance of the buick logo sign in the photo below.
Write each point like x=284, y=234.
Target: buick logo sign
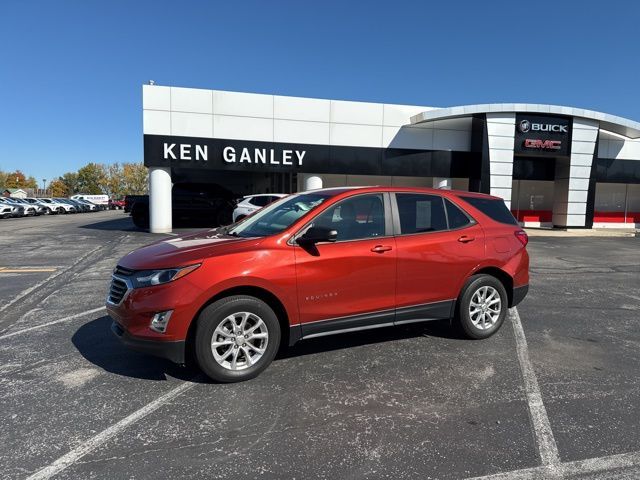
x=524, y=126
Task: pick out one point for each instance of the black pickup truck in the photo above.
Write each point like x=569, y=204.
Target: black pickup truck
x=192, y=205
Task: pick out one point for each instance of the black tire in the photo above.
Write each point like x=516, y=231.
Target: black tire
x=463, y=315
x=215, y=315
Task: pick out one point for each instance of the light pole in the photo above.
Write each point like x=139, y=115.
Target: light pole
x=44, y=191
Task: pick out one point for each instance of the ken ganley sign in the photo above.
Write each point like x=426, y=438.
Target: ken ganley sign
x=219, y=153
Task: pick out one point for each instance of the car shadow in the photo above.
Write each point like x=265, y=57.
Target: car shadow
x=123, y=224
x=98, y=345
x=434, y=328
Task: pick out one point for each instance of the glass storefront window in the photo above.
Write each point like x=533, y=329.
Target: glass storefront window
x=617, y=203
x=532, y=200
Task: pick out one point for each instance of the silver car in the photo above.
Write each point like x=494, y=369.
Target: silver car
x=17, y=210
x=37, y=209
x=6, y=211
x=58, y=207
x=42, y=207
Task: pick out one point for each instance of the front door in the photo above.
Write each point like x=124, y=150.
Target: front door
x=350, y=283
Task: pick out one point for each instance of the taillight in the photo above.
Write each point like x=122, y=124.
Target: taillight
x=522, y=236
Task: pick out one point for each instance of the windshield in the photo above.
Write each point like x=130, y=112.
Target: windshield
x=280, y=215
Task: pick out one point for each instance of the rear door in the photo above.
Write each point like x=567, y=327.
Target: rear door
x=438, y=245
x=350, y=283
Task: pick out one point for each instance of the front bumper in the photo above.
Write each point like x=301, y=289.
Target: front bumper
x=171, y=350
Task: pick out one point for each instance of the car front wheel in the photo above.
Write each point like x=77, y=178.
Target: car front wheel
x=236, y=338
x=482, y=306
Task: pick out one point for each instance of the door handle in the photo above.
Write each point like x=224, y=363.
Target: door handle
x=466, y=239
x=381, y=248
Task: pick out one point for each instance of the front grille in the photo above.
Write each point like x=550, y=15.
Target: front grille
x=117, y=291
x=125, y=272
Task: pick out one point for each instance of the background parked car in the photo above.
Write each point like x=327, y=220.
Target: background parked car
x=25, y=209
x=193, y=205
x=57, y=206
x=46, y=209
x=251, y=203
x=116, y=204
x=39, y=209
x=92, y=206
x=130, y=200
x=9, y=209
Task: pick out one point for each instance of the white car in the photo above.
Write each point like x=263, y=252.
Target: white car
x=58, y=207
x=251, y=203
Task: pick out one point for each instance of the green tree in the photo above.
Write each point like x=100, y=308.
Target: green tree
x=92, y=179
x=31, y=182
x=3, y=179
x=135, y=177
x=115, y=180
x=70, y=179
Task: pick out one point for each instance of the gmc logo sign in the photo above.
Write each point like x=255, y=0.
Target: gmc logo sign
x=543, y=144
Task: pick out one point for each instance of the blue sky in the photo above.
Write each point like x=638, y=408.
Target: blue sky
x=71, y=71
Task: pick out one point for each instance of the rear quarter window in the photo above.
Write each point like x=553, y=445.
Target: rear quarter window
x=492, y=208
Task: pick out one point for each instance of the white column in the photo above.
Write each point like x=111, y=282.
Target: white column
x=442, y=183
x=312, y=182
x=159, y=200
x=583, y=144
x=501, y=130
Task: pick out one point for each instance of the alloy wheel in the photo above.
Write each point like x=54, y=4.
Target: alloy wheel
x=485, y=307
x=239, y=341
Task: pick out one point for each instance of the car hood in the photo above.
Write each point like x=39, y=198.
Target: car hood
x=185, y=250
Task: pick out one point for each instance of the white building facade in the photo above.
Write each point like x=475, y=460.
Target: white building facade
x=553, y=165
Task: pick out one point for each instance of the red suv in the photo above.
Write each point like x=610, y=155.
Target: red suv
x=318, y=263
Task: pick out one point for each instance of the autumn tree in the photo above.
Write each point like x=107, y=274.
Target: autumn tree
x=135, y=177
x=16, y=180
x=58, y=188
x=3, y=179
x=92, y=179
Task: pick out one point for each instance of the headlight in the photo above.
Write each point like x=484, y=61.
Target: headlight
x=149, y=278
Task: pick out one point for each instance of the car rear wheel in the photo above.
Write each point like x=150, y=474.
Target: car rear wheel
x=482, y=306
x=236, y=338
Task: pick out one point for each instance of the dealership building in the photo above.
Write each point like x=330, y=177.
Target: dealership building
x=555, y=166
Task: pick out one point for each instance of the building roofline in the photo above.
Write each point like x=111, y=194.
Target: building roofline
x=612, y=123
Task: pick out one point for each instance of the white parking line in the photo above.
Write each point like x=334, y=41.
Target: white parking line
x=612, y=463
x=546, y=443
x=551, y=466
x=94, y=442
x=26, y=292
x=60, y=320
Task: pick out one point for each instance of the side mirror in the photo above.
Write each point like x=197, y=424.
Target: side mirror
x=316, y=235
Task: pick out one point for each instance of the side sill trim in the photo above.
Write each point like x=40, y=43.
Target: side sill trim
x=345, y=330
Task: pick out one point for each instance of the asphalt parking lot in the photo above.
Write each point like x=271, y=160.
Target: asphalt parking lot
x=555, y=394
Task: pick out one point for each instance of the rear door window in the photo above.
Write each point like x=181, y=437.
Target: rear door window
x=492, y=208
x=420, y=213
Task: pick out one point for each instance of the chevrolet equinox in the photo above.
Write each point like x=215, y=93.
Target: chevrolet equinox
x=318, y=263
